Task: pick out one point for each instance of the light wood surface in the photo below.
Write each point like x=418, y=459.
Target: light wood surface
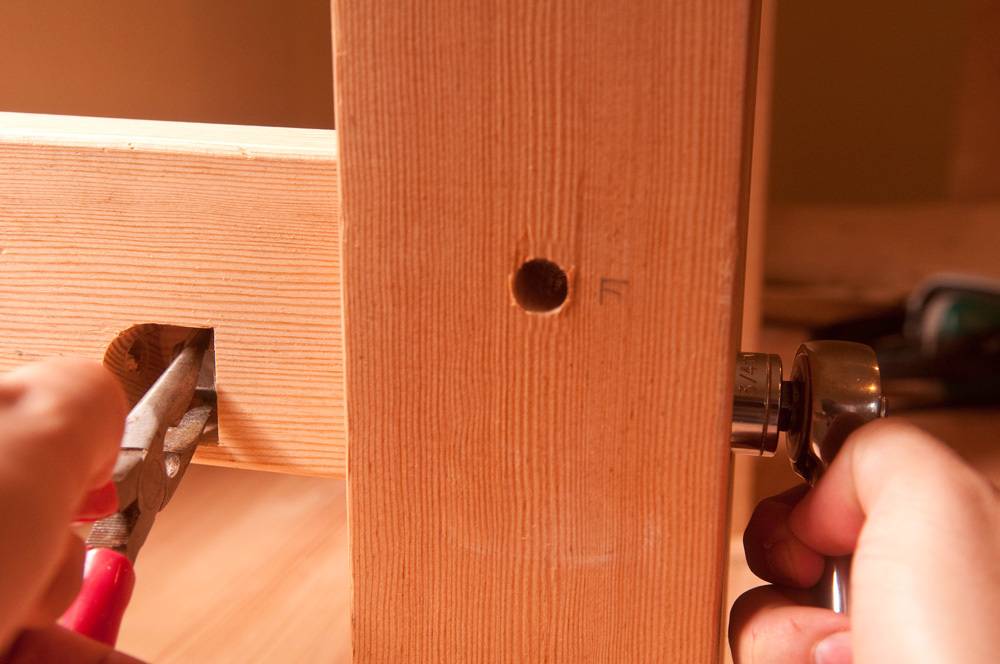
x=540, y=487
x=244, y=567
x=105, y=224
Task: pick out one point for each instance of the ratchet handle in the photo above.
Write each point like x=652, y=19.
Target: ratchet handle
x=108, y=579
x=835, y=388
x=832, y=588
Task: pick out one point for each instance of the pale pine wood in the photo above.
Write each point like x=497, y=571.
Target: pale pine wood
x=526, y=487
x=105, y=224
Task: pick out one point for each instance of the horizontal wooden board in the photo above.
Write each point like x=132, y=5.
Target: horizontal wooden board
x=105, y=224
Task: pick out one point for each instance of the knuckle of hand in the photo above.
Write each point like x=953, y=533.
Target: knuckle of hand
x=973, y=492
x=887, y=439
x=886, y=447
x=894, y=449
x=52, y=424
x=53, y=418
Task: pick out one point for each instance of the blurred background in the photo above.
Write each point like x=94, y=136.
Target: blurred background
x=875, y=213
x=876, y=171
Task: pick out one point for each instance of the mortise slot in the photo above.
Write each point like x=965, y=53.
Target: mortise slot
x=140, y=354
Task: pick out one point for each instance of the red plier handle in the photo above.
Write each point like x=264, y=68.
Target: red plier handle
x=97, y=611
x=161, y=434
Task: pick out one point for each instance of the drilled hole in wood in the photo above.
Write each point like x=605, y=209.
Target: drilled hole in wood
x=540, y=286
x=135, y=356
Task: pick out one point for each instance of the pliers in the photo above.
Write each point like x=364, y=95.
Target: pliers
x=161, y=434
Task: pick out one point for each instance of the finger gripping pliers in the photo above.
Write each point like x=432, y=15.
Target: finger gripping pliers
x=161, y=434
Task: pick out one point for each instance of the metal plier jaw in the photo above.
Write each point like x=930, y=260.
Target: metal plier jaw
x=161, y=434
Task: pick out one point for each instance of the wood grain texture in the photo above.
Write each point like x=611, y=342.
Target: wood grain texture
x=105, y=224
x=526, y=487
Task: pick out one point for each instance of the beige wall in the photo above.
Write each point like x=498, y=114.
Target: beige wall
x=875, y=102
x=234, y=61
x=865, y=100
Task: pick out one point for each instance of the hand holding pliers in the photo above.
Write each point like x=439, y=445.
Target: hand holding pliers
x=161, y=434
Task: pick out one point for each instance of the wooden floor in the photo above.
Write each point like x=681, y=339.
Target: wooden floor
x=244, y=566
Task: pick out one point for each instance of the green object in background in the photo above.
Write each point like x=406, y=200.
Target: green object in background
x=952, y=318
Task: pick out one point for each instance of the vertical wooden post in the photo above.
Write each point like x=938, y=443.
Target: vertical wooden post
x=527, y=486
